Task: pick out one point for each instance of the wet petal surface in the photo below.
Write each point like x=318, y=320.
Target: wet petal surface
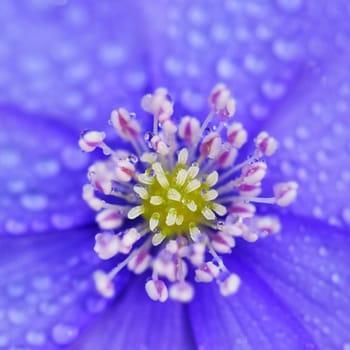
x=134, y=322
x=293, y=295
x=81, y=59
x=47, y=296
x=42, y=172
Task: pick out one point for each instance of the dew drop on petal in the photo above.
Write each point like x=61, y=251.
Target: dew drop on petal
x=36, y=338
x=3, y=340
x=34, y=201
x=17, y=316
x=290, y=5
x=64, y=334
x=346, y=215
x=73, y=158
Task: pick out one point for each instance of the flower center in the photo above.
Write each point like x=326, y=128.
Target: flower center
x=189, y=197
x=179, y=201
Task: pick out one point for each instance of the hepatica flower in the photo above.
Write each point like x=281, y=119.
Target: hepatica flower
x=182, y=237
x=186, y=192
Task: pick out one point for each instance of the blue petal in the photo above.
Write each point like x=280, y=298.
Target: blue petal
x=313, y=128
x=294, y=293
x=135, y=322
x=73, y=59
x=47, y=296
x=42, y=172
x=254, y=318
x=246, y=44
x=306, y=266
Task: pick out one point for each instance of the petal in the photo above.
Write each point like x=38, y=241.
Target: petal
x=253, y=318
x=136, y=322
x=245, y=44
x=81, y=59
x=306, y=267
x=313, y=129
x=41, y=172
x=47, y=295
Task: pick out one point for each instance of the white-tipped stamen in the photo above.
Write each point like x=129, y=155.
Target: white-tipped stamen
x=208, y=214
x=174, y=195
x=183, y=156
x=154, y=221
x=135, y=212
x=185, y=192
x=156, y=200
x=192, y=186
x=181, y=177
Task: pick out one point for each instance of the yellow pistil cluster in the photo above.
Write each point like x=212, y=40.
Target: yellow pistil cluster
x=179, y=201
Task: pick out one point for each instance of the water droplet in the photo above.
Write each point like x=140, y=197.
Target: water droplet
x=290, y=5
x=219, y=33
x=9, y=158
x=346, y=215
x=62, y=221
x=96, y=305
x=64, y=334
x=111, y=54
x=42, y=282
x=17, y=316
x=132, y=158
x=48, y=308
x=173, y=66
x=36, y=338
x=273, y=89
x=220, y=225
x=259, y=111
x=302, y=132
x=47, y=168
x=346, y=346
x=148, y=136
x=335, y=278
x=196, y=39
x=73, y=158
x=318, y=212
x=254, y=64
x=16, y=185
x=225, y=68
x=15, y=226
x=196, y=15
x=34, y=201
x=15, y=290
x=3, y=340
x=285, y=50
x=322, y=251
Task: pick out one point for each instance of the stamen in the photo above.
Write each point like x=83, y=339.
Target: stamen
x=191, y=205
x=194, y=231
x=171, y=217
x=174, y=195
x=212, y=178
x=141, y=191
x=154, y=221
x=181, y=177
x=183, y=156
x=182, y=193
x=192, y=186
x=157, y=239
x=210, y=195
x=208, y=214
x=156, y=200
x=135, y=212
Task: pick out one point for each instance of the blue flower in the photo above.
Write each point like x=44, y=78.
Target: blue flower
x=66, y=64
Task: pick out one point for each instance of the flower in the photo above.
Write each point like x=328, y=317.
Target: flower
x=66, y=64
x=187, y=192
